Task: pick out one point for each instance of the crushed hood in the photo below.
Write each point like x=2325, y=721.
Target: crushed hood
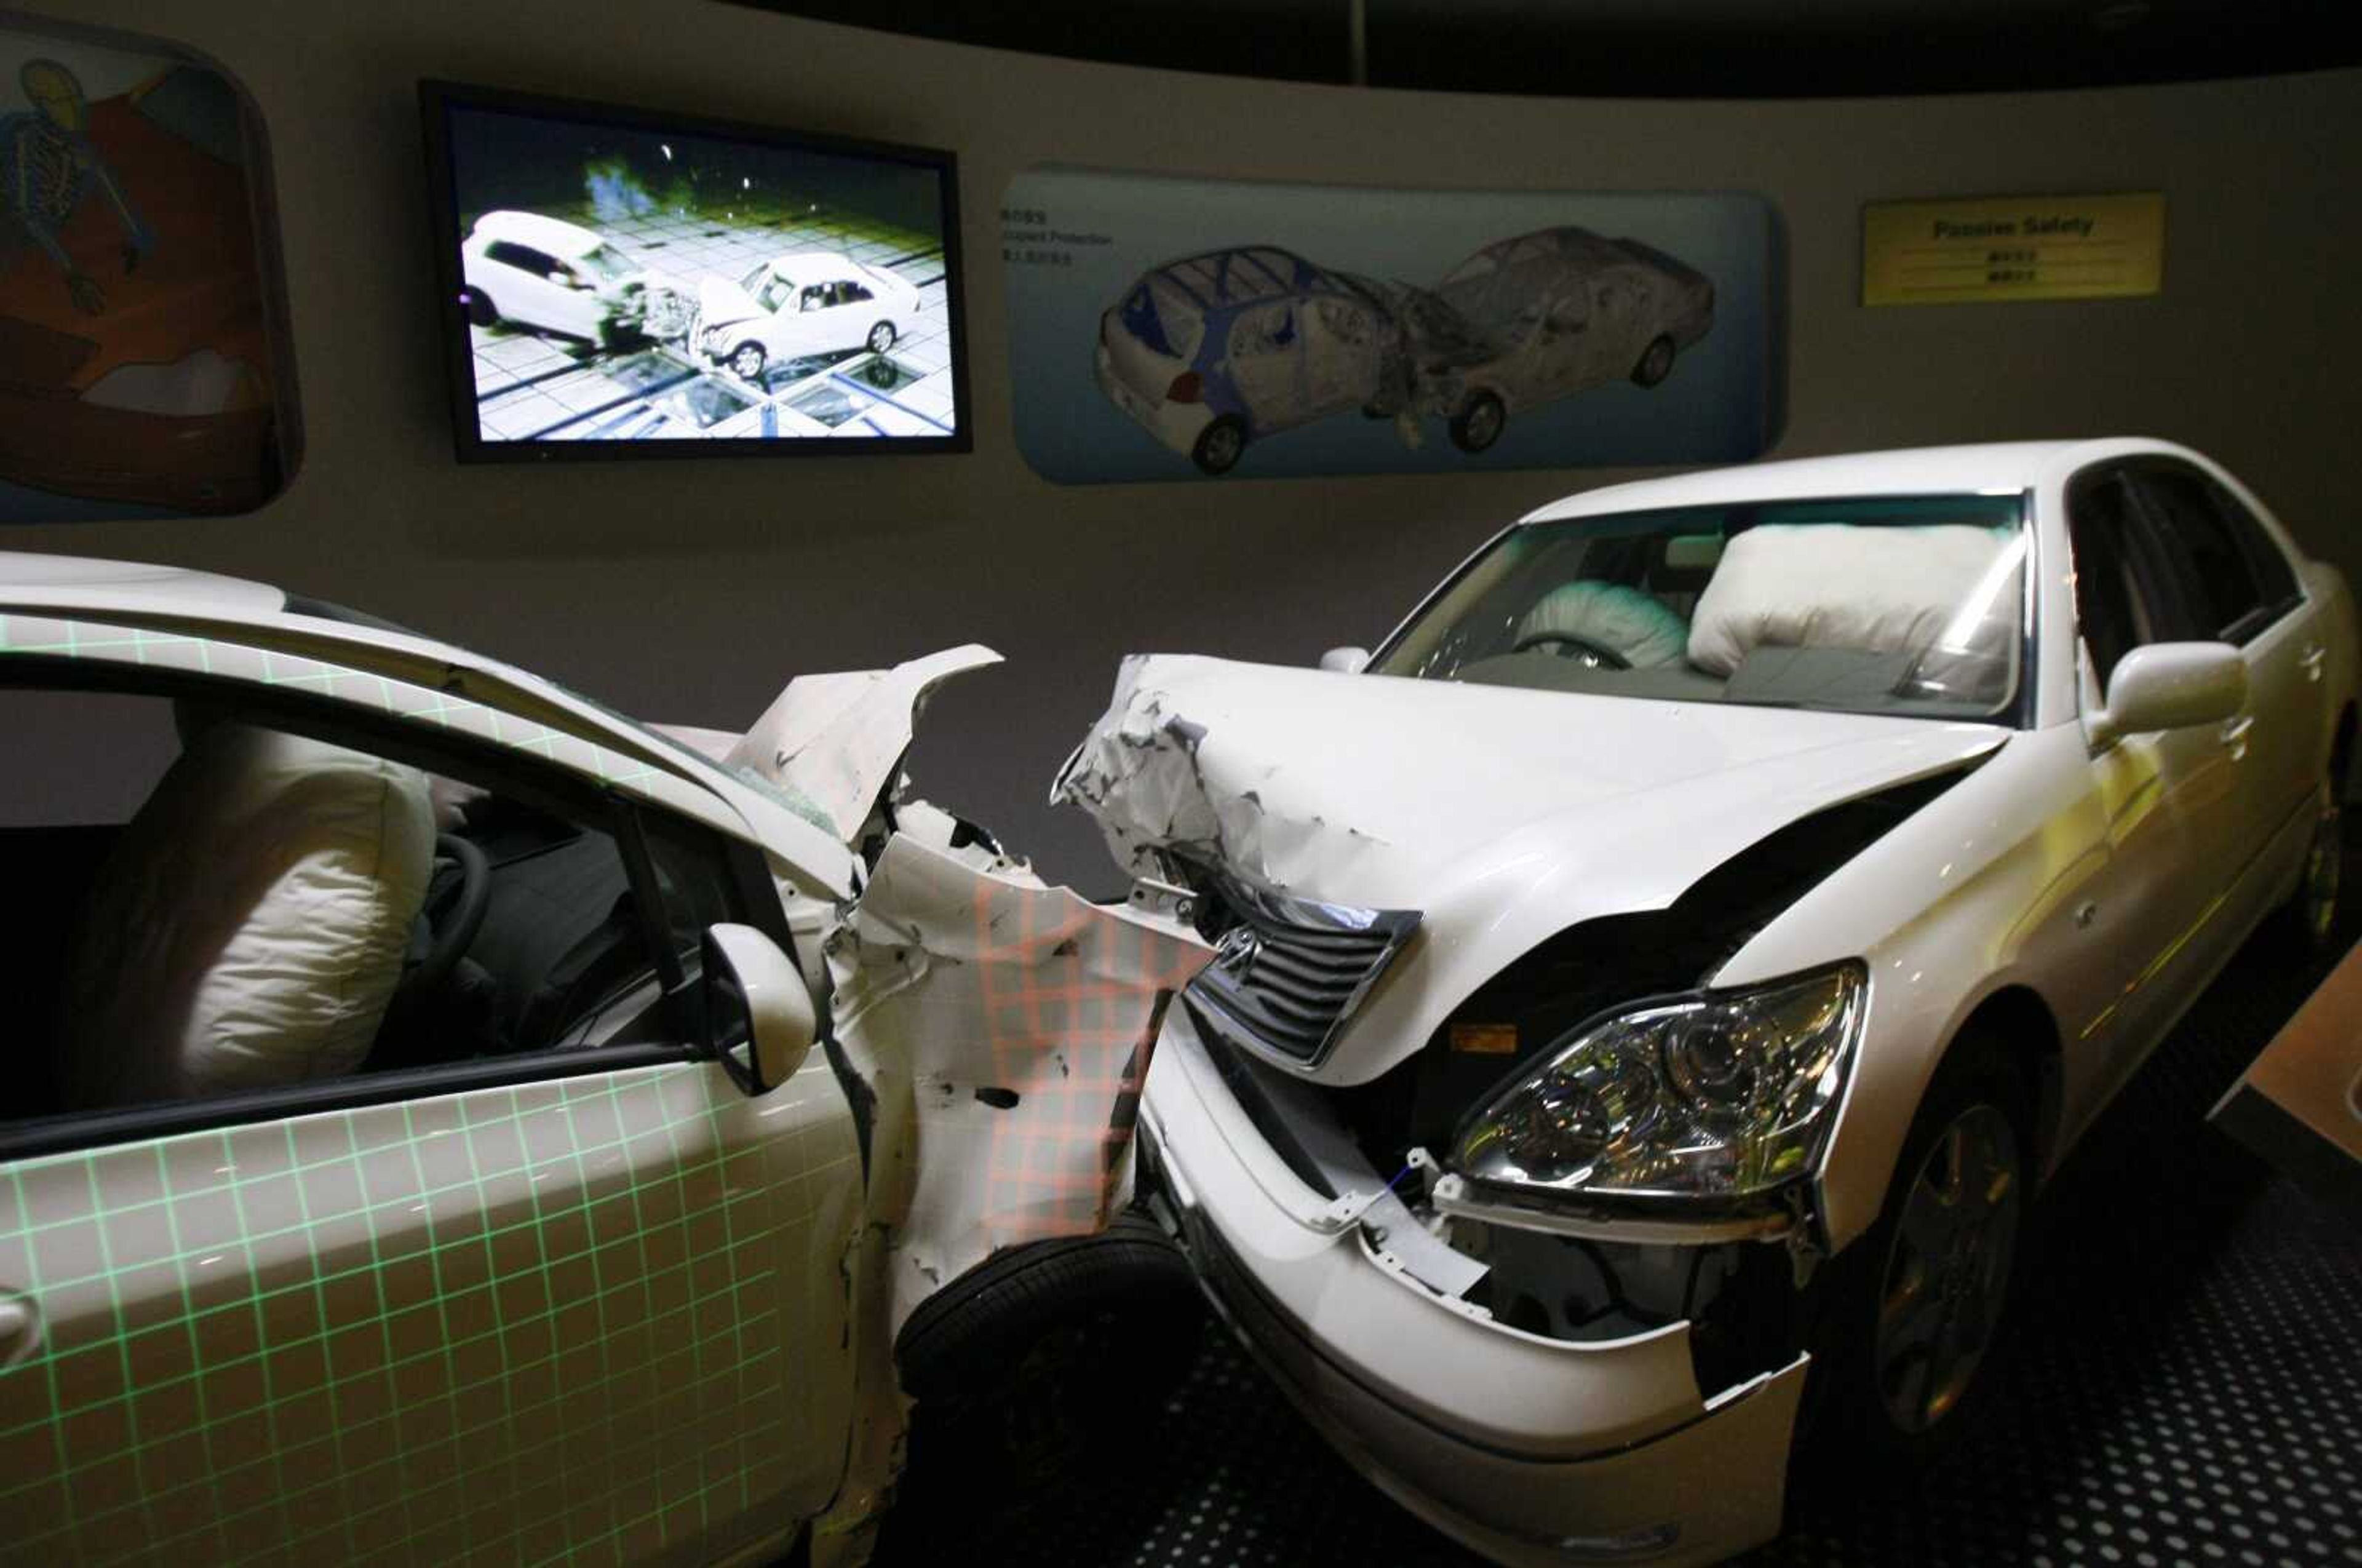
x=835, y=743
x=1505, y=816
x=721, y=302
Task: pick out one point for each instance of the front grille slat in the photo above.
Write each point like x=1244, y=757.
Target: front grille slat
x=1291, y=971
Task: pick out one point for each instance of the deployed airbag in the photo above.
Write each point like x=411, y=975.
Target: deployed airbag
x=1826, y=585
x=263, y=898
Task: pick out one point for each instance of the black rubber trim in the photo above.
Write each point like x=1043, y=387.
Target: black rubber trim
x=90, y=1130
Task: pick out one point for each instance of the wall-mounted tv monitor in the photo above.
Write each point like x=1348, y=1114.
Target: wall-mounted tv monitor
x=621, y=283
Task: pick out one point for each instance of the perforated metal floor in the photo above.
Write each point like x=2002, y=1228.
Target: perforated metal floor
x=2184, y=1386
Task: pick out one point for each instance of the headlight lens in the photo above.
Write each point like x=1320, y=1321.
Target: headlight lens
x=1719, y=1095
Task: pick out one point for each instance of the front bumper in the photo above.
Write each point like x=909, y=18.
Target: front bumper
x=1533, y=1450
x=1177, y=425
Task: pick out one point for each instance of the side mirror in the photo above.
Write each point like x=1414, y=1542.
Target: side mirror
x=2170, y=686
x=1345, y=661
x=758, y=1012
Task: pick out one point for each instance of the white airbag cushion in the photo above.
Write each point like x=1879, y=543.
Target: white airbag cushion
x=249, y=926
x=1623, y=621
x=1834, y=585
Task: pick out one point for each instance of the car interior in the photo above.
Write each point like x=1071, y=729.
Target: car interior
x=298, y=911
x=1892, y=608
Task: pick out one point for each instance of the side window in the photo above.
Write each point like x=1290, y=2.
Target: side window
x=238, y=906
x=2274, y=576
x=2118, y=606
x=853, y=293
x=2218, y=576
x=509, y=253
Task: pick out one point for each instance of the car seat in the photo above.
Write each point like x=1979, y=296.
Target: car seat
x=1622, y=621
x=249, y=925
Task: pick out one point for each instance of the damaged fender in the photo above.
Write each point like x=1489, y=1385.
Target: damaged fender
x=1005, y=1028
x=836, y=742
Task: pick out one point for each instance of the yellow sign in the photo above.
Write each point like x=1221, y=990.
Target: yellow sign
x=1998, y=249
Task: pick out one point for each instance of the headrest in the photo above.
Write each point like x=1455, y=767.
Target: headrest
x=248, y=927
x=1624, y=621
x=1836, y=585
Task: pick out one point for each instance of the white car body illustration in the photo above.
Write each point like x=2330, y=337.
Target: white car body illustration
x=801, y=306
x=1668, y=971
x=484, y=1125
x=1548, y=315
x=554, y=276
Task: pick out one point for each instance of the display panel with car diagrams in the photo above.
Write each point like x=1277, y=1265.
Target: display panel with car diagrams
x=1276, y=330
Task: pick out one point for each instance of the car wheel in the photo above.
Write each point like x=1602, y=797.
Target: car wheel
x=1918, y=1303
x=1655, y=364
x=1479, y=422
x=747, y=360
x=2311, y=914
x=1219, y=444
x=481, y=311
x=881, y=337
x=1032, y=1375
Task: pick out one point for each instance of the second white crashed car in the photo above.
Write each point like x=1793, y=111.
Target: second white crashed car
x=1661, y=978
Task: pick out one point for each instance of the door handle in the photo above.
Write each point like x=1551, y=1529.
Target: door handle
x=20, y=1327
x=2312, y=659
x=2234, y=735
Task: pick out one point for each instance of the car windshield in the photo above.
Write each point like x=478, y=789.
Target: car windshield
x=1891, y=604
x=605, y=263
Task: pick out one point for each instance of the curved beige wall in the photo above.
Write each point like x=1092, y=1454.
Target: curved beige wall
x=690, y=590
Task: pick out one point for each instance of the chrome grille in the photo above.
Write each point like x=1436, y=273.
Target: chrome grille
x=1287, y=972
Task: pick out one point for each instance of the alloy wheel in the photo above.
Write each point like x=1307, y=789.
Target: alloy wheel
x=1947, y=1270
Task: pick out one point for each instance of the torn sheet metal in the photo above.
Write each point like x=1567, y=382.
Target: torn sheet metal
x=1139, y=774
x=1006, y=1029
x=837, y=741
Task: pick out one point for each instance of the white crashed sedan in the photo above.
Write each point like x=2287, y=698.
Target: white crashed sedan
x=450, y=1121
x=1658, y=983
x=801, y=306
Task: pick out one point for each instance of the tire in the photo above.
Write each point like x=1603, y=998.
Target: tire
x=1033, y=1376
x=1219, y=444
x=881, y=337
x=1916, y=1308
x=1656, y=362
x=746, y=360
x=1479, y=422
x=2308, y=922
x=481, y=312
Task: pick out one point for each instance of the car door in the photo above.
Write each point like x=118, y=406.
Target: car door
x=2243, y=590
x=2164, y=796
x=1266, y=364
x=527, y=292
x=581, y=1300
x=1559, y=355
x=1340, y=356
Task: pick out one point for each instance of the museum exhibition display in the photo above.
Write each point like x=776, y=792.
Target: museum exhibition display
x=1591, y=810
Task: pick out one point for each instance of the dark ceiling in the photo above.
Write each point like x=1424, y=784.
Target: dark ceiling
x=1658, y=47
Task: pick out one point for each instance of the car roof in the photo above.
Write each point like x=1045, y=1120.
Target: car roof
x=554, y=234
x=1567, y=241
x=1245, y=275
x=232, y=610
x=822, y=266
x=2005, y=466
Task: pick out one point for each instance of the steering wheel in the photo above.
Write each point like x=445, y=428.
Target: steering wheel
x=453, y=914
x=1571, y=645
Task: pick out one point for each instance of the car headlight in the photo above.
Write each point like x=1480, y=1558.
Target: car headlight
x=1719, y=1094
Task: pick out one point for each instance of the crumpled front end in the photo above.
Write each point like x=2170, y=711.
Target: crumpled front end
x=1578, y=1437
